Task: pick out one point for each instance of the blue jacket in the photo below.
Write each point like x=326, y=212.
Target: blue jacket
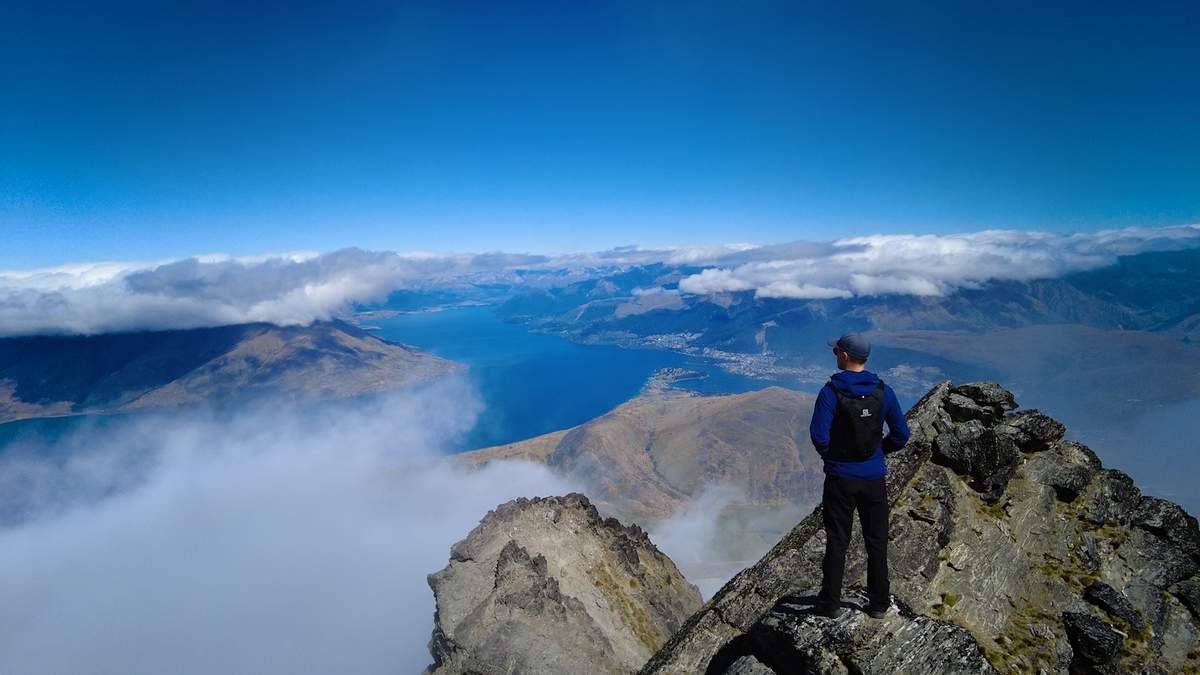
x=852, y=383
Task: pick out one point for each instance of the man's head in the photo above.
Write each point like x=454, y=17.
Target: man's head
x=852, y=351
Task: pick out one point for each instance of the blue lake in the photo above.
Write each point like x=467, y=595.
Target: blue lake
x=533, y=383
x=530, y=383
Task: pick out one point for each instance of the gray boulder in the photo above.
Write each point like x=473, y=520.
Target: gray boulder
x=989, y=394
x=962, y=409
x=975, y=450
x=1189, y=593
x=1096, y=645
x=1038, y=432
x=1071, y=476
x=548, y=586
x=1112, y=499
x=1110, y=600
x=1170, y=522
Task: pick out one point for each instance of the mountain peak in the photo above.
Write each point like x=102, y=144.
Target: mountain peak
x=1005, y=540
x=549, y=586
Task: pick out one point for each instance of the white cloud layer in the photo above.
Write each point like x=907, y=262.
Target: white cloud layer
x=299, y=288
x=925, y=265
x=276, y=541
x=289, y=289
x=272, y=539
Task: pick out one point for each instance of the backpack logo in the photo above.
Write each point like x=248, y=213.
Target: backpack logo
x=857, y=426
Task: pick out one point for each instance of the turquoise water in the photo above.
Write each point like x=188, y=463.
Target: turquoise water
x=50, y=428
x=530, y=383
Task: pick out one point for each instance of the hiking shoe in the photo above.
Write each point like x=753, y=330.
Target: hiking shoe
x=828, y=611
x=877, y=612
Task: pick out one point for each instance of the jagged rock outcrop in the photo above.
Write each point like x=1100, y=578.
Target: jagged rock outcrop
x=791, y=639
x=666, y=450
x=1012, y=550
x=548, y=586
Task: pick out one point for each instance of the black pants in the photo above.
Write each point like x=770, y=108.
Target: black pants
x=841, y=498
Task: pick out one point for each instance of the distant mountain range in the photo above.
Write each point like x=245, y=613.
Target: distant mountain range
x=1109, y=342
x=1154, y=291
x=1121, y=330
x=1158, y=292
x=47, y=376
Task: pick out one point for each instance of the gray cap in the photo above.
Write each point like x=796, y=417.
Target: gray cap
x=854, y=344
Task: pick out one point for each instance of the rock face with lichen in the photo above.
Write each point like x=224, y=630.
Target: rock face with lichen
x=548, y=586
x=1012, y=550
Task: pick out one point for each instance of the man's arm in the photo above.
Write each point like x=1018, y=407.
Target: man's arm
x=822, y=418
x=897, y=426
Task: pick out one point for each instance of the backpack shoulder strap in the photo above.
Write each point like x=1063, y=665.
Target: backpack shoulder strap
x=837, y=394
x=839, y=399
x=878, y=393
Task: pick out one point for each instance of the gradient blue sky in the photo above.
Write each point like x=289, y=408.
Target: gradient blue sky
x=141, y=130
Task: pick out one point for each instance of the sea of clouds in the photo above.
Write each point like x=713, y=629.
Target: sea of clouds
x=299, y=288
x=928, y=265
x=272, y=539
x=269, y=540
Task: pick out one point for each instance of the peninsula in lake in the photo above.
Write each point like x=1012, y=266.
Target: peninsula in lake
x=48, y=376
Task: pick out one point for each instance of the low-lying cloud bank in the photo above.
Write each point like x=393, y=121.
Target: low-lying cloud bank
x=927, y=265
x=290, y=289
x=299, y=288
x=273, y=541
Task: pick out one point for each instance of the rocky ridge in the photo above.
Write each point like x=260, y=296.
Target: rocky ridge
x=1012, y=550
x=48, y=376
x=648, y=457
x=548, y=586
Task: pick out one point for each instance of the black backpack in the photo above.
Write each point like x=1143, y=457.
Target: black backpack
x=857, y=428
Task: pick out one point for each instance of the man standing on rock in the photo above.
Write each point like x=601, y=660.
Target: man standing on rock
x=847, y=431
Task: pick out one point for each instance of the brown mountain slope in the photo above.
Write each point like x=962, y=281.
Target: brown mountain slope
x=58, y=375
x=657, y=452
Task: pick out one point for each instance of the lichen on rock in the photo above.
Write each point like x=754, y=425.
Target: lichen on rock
x=548, y=586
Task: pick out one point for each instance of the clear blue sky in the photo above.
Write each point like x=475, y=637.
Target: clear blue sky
x=139, y=130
